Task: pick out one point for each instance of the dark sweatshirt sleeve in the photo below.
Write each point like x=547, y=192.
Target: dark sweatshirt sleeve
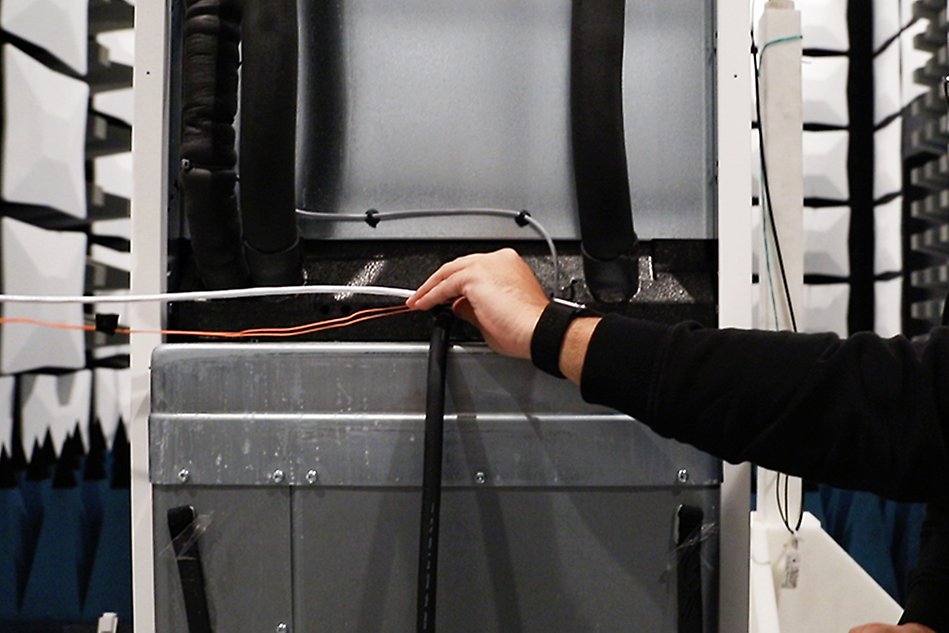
x=928, y=586
x=864, y=413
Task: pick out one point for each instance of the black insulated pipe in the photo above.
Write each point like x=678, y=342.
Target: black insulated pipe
x=322, y=85
x=210, y=59
x=272, y=245
x=432, y=472
x=599, y=149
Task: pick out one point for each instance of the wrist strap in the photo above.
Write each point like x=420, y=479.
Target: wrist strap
x=549, y=333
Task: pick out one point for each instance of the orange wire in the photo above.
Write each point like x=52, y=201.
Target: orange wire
x=276, y=332
x=50, y=324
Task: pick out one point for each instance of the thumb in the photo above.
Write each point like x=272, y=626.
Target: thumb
x=463, y=310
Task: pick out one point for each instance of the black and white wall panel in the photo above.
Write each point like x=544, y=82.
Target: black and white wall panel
x=925, y=206
x=34, y=260
x=7, y=393
x=111, y=397
x=57, y=404
x=826, y=72
x=58, y=28
x=44, y=136
x=65, y=119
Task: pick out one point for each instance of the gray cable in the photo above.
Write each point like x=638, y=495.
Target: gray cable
x=406, y=214
x=202, y=295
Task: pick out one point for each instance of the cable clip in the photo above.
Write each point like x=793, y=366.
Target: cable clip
x=521, y=218
x=107, y=323
x=372, y=218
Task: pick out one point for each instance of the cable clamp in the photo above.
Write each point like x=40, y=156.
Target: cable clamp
x=107, y=323
x=372, y=218
x=521, y=218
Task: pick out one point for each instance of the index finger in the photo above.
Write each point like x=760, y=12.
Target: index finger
x=436, y=278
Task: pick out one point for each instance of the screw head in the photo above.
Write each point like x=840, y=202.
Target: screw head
x=184, y=475
x=682, y=476
x=480, y=477
x=278, y=476
x=282, y=627
x=312, y=476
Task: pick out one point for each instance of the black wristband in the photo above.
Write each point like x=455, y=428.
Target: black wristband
x=549, y=333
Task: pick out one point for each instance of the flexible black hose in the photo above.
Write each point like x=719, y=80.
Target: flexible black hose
x=599, y=148
x=268, y=135
x=210, y=59
x=432, y=472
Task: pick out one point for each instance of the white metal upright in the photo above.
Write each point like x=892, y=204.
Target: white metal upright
x=149, y=207
x=733, y=121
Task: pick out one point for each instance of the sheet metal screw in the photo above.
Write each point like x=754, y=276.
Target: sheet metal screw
x=278, y=476
x=312, y=476
x=184, y=475
x=282, y=627
x=480, y=477
x=682, y=476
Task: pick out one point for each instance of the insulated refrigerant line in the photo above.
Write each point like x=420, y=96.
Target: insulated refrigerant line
x=432, y=472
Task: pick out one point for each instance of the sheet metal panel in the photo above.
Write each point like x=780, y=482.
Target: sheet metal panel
x=353, y=415
x=453, y=103
x=557, y=516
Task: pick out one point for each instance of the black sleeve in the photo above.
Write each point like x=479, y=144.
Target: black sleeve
x=863, y=413
x=928, y=587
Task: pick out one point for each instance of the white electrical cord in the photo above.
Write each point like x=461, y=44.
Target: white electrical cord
x=371, y=217
x=204, y=295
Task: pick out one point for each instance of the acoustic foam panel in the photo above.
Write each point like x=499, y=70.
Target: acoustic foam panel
x=825, y=165
x=911, y=59
x=114, y=174
x=826, y=250
x=886, y=22
x=35, y=261
x=6, y=412
x=888, y=237
x=112, y=396
x=888, y=296
x=116, y=103
x=888, y=159
x=60, y=27
x=824, y=24
x=824, y=88
x=121, y=45
x=44, y=136
x=826, y=307
x=886, y=83
x=906, y=12
x=57, y=403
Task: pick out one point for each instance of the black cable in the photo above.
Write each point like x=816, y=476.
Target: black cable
x=765, y=186
x=432, y=472
x=766, y=190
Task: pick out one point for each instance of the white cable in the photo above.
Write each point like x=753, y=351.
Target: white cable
x=406, y=214
x=202, y=295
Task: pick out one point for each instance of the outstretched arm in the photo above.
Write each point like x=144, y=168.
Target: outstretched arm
x=864, y=413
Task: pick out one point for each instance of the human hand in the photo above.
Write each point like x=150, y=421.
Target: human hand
x=891, y=628
x=496, y=292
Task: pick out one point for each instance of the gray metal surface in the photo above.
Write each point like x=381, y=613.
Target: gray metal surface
x=461, y=103
x=354, y=414
x=245, y=544
x=557, y=516
x=510, y=561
